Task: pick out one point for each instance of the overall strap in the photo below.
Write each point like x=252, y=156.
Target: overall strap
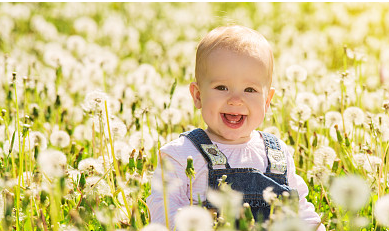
x=275, y=156
x=204, y=145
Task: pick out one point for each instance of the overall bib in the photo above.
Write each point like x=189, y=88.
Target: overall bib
x=249, y=181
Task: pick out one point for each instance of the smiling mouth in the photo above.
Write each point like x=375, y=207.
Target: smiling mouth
x=233, y=120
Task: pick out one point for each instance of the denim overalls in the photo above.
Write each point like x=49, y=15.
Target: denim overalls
x=250, y=181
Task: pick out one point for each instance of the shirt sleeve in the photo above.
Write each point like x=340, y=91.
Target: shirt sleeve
x=176, y=182
x=306, y=209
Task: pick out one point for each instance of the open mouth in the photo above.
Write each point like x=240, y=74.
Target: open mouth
x=233, y=120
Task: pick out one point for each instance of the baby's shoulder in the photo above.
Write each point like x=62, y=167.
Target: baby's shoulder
x=180, y=149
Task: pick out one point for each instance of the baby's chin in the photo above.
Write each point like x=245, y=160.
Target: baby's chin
x=230, y=137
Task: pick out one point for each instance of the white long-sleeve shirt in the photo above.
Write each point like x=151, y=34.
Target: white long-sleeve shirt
x=247, y=155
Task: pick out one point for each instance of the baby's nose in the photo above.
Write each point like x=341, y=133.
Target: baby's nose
x=235, y=100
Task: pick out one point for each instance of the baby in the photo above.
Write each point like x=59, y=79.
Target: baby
x=233, y=90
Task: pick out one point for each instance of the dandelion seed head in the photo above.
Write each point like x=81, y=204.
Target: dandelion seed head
x=301, y=112
x=193, y=218
x=296, y=73
x=154, y=227
x=118, y=128
x=354, y=115
x=39, y=139
x=81, y=132
x=228, y=198
x=122, y=151
x=359, y=159
x=331, y=118
x=381, y=210
x=171, y=116
x=324, y=156
x=307, y=98
x=85, y=25
x=76, y=43
x=73, y=174
x=372, y=163
x=102, y=188
x=52, y=163
x=60, y=139
x=268, y=195
x=351, y=192
x=91, y=163
x=127, y=193
x=95, y=102
x=135, y=140
x=319, y=174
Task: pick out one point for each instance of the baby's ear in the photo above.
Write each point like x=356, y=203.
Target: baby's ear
x=195, y=92
x=269, y=97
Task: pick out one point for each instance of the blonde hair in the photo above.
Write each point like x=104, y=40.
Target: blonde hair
x=239, y=39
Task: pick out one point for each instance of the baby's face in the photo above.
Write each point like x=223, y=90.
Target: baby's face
x=233, y=95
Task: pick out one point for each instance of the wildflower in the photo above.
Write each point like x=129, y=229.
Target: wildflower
x=354, y=115
x=127, y=193
x=95, y=102
x=301, y=112
x=138, y=140
x=99, y=185
x=331, y=118
x=273, y=130
x=381, y=210
x=60, y=139
x=85, y=25
x=268, y=195
x=193, y=218
x=307, y=98
x=372, y=163
x=91, y=163
x=81, y=132
x=118, y=128
x=359, y=159
x=324, y=156
x=290, y=224
x=171, y=116
x=227, y=200
x=39, y=139
x=28, y=143
x=52, y=162
x=296, y=73
x=350, y=192
x=76, y=43
x=154, y=227
x=319, y=174
x=122, y=151
x=73, y=174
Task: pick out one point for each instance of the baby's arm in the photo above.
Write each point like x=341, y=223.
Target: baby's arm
x=306, y=209
x=176, y=186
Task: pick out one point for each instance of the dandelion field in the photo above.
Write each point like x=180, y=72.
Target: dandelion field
x=90, y=91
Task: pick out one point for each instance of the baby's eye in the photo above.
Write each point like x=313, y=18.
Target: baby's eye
x=250, y=89
x=221, y=88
